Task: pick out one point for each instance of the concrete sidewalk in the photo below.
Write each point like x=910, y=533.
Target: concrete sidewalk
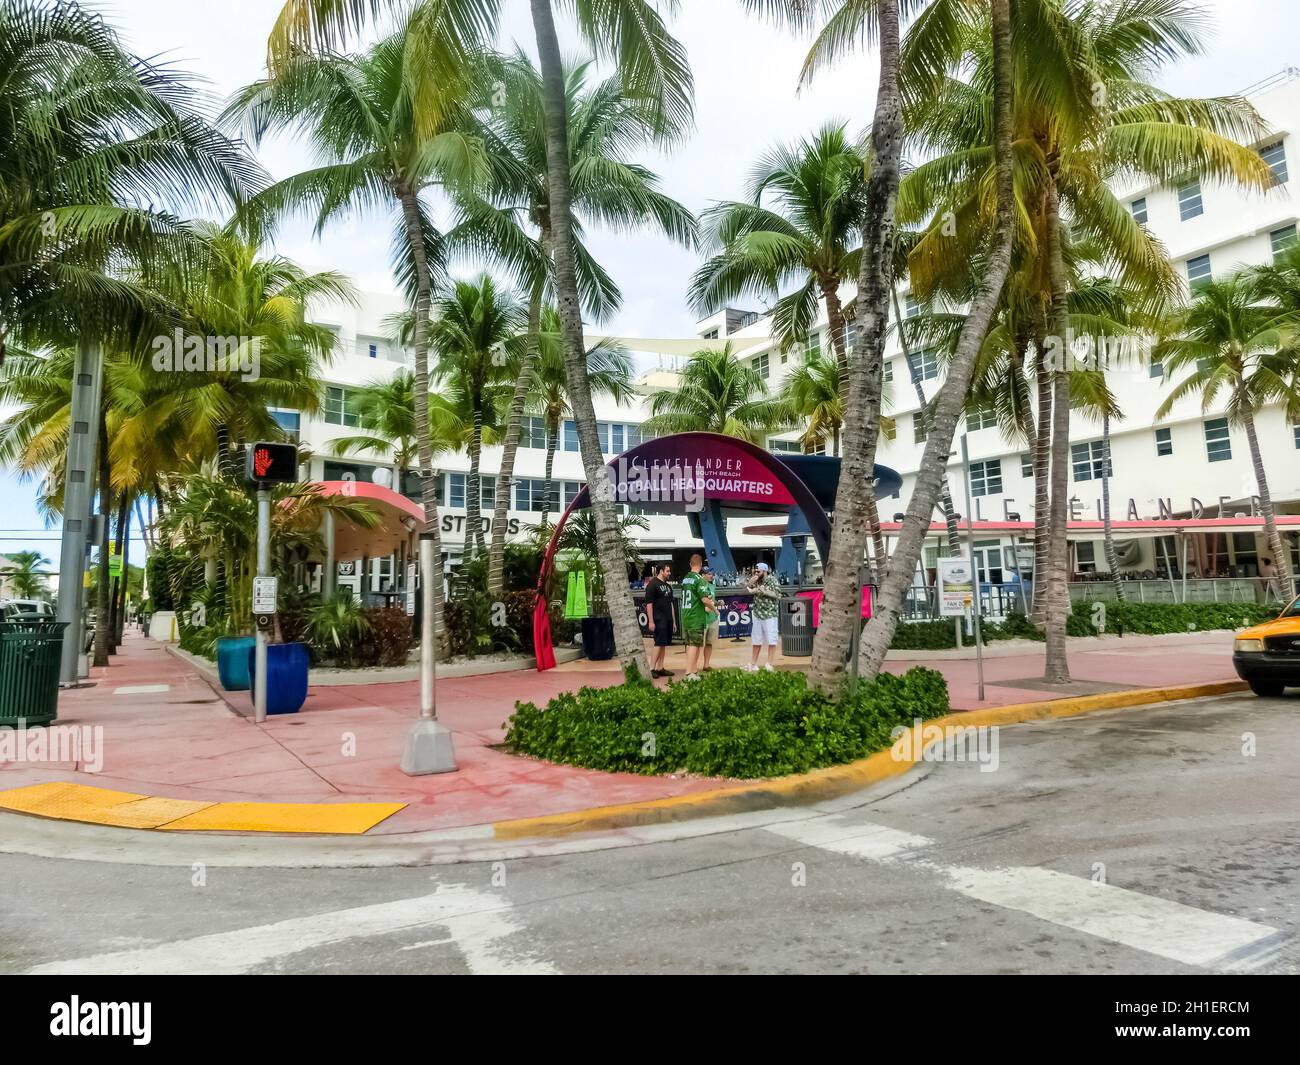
x=167, y=732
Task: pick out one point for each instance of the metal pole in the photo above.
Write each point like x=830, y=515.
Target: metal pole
x=329, y=578
x=428, y=647
x=87, y=384
x=975, y=573
x=261, y=637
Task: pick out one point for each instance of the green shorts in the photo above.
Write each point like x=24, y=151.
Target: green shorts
x=698, y=637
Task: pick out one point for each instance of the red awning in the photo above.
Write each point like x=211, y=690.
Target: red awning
x=398, y=518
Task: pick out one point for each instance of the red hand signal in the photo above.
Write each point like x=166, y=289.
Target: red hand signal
x=261, y=461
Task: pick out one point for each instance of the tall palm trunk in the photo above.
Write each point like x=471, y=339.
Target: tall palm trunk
x=840, y=612
x=838, y=330
x=1057, y=667
x=1108, y=528
x=1281, y=557
x=609, y=541
x=914, y=372
x=103, y=611
x=548, y=476
x=474, y=487
x=1042, y=483
x=124, y=536
x=428, y=486
x=505, y=478
x=951, y=398
x=119, y=582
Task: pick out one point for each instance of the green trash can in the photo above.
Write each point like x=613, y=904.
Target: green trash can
x=30, y=654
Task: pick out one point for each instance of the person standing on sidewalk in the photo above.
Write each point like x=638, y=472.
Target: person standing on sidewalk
x=659, y=617
x=767, y=601
x=695, y=615
x=711, y=614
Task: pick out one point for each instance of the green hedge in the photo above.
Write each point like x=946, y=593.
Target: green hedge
x=1144, y=619
x=728, y=723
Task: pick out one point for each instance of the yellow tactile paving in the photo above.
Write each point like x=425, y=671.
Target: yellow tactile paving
x=343, y=818
x=125, y=809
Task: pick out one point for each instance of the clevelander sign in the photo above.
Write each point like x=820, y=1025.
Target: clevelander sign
x=687, y=471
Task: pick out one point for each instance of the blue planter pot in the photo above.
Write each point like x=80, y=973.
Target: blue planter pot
x=232, y=662
x=286, y=677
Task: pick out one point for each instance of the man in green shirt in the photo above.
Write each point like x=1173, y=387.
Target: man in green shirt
x=712, y=614
x=695, y=614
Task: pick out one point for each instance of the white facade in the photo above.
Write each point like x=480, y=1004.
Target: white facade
x=1188, y=456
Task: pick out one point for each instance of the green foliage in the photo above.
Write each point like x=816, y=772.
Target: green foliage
x=728, y=723
x=336, y=628
x=388, y=637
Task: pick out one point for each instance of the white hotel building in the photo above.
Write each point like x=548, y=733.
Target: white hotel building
x=1191, y=462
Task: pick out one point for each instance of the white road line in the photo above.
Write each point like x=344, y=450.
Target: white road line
x=1144, y=922
x=142, y=689
x=478, y=922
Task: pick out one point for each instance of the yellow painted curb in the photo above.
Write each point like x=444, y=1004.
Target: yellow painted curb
x=829, y=783
x=124, y=809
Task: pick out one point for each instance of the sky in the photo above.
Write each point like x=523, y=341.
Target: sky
x=747, y=98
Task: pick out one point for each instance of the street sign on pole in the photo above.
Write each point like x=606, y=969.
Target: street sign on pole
x=265, y=591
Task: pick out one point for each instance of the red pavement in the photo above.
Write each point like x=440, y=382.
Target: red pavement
x=185, y=742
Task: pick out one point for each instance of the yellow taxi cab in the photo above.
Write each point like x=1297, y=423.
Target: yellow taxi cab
x=1267, y=656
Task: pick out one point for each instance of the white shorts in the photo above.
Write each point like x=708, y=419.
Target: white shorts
x=764, y=632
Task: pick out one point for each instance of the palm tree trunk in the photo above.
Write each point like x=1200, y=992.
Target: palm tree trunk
x=1057, y=666
x=838, y=330
x=1112, y=557
x=627, y=633
x=914, y=372
x=505, y=478
x=102, y=600
x=474, y=487
x=1281, y=556
x=420, y=340
x=548, y=483
x=952, y=396
x=840, y=612
x=1042, y=484
x=124, y=593
x=119, y=583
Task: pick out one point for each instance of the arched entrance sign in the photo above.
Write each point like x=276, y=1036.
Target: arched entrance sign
x=689, y=473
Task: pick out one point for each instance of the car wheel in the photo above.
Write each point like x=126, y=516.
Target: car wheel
x=1269, y=689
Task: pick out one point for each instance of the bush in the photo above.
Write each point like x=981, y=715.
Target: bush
x=728, y=723
x=388, y=638
x=1156, y=618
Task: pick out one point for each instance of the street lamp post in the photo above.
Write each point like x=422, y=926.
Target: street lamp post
x=428, y=747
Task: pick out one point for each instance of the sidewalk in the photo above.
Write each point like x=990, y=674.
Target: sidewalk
x=166, y=732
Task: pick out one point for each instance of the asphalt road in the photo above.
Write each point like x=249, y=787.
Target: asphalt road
x=1164, y=840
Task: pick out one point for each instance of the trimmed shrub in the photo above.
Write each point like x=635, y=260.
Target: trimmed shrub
x=388, y=638
x=728, y=723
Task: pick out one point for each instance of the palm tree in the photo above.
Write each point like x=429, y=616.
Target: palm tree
x=387, y=131
x=1232, y=349
x=652, y=66
x=25, y=575
x=810, y=234
x=718, y=393
x=88, y=133
x=477, y=333
x=609, y=370
x=812, y=392
x=1070, y=138
x=508, y=222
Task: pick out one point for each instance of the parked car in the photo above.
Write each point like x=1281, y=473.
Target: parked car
x=23, y=609
x=1267, y=656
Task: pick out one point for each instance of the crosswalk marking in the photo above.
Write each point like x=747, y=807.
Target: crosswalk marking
x=1144, y=922
x=478, y=922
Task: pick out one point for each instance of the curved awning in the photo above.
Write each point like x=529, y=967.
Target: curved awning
x=398, y=518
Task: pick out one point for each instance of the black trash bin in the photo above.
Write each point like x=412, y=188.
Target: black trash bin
x=598, y=638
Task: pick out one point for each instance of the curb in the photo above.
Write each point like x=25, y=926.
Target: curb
x=835, y=781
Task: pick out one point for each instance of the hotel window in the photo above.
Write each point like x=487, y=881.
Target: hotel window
x=785, y=447
x=1281, y=239
x=487, y=491
x=913, y=308
x=1198, y=271
x=372, y=350
x=1296, y=430
x=1085, y=553
x=571, y=490
x=532, y=433
x=986, y=477
x=927, y=364
x=712, y=334
x=1245, y=553
x=918, y=428
x=1275, y=156
x=812, y=347
x=1088, y=460
x=288, y=420
x=570, y=437
x=1189, y=200
x=981, y=418
x=341, y=406
x=760, y=365
x=1164, y=442
x=530, y=492
x=1026, y=465
x=456, y=495
x=1218, y=440
x=1139, y=209
x=889, y=371
x=1157, y=368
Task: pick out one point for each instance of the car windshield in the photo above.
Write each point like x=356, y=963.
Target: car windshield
x=1293, y=611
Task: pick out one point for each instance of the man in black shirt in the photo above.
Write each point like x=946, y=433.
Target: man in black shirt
x=659, y=617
